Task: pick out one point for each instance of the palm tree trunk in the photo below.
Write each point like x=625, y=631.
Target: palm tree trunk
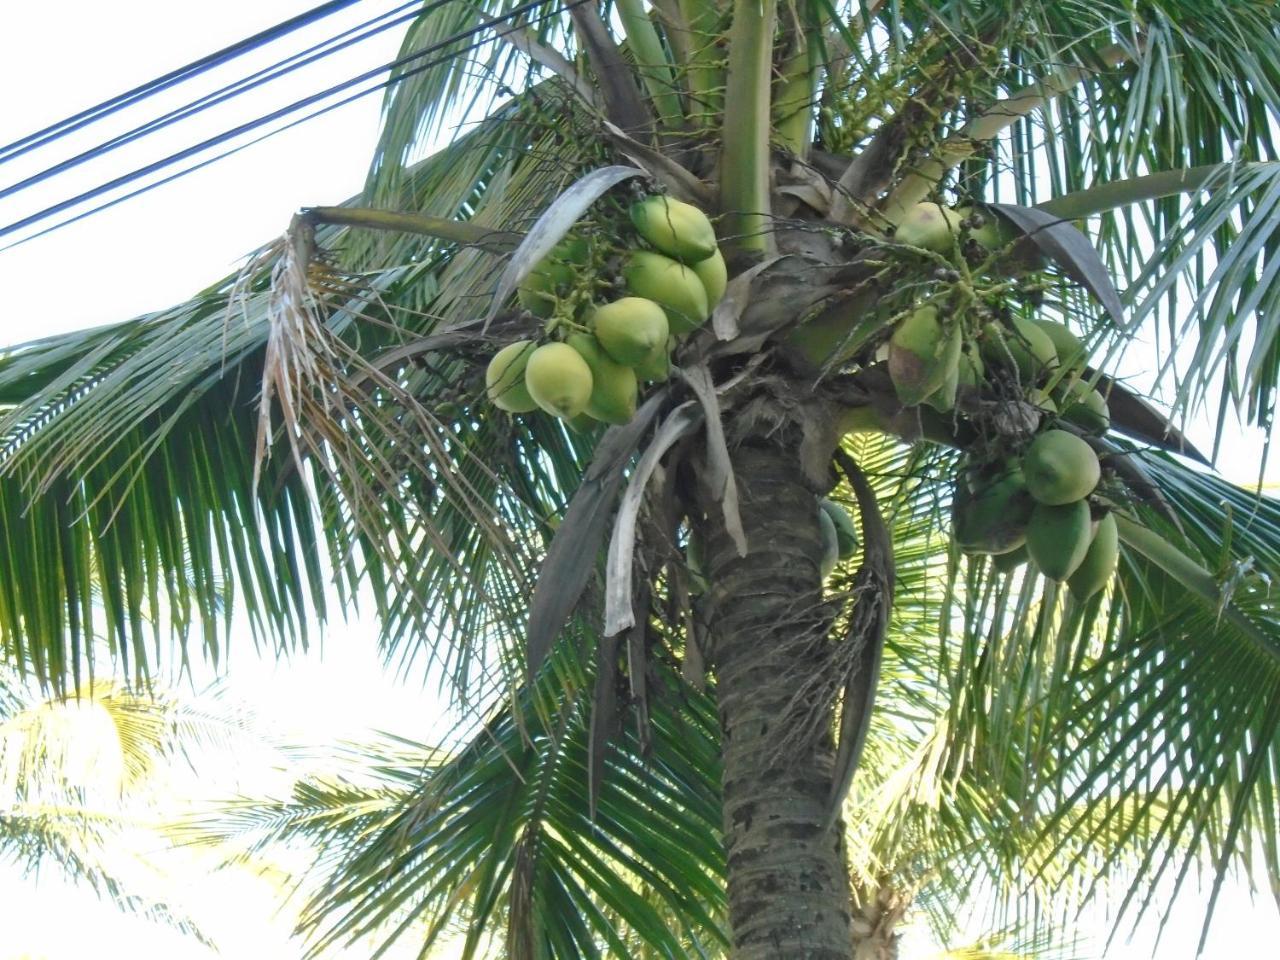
x=789, y=893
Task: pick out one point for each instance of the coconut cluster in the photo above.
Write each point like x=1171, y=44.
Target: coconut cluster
x=594, y=360
x=1041, y=504
x=1038, y=501
x=1039, y=508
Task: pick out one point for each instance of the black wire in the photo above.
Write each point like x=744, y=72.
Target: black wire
x=267, y=118
x=254, y=80
x=390, y=82
x=196, y=67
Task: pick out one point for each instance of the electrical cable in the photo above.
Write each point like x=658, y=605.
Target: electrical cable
x=267, y=118
x=244, y=85
x=392, y=81
x=196, y=67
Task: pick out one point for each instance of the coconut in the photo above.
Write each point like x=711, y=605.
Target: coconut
x=830, y=544
x=846, y=535
x=504, y=378
x=1085, y=407
x=923, y=352
x=671, y=285
x=631, y=330
x=1060, y=468
x=1099, y=564
x=714, y=276
x=552, y=277
x=1021, y=348
x=558, y=380
x=928, y=225
x=675, y=228
x=994, y=234
x=613, y=386
x=989, y=513
x=1068, y=347
x=1058, y=538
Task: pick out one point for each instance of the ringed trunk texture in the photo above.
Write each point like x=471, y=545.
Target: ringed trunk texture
x=788, y=884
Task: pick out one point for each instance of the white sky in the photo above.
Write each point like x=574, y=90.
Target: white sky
x=148, y=253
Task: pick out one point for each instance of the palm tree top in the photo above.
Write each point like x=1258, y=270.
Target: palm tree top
x=322, y=418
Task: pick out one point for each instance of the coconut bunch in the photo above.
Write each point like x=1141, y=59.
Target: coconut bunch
x=1038, y=501
x=1042, y=507
x=594, y=357
x=934, y=353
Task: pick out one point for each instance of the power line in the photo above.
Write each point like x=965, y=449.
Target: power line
x=196, y=67
x=392, y=81
x=267, y=118
x=282, y=68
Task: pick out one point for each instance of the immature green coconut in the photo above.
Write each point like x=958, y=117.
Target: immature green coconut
x=552, y=277
x=559, y=380
x=674, y=227
x=990, y=513
x=1008, y=562
x=928, y=225
x=656, y=368
x=1060, y=468
x=1058, y=538
x=830, y=543
x=923, y=352
x=1068, y=347
x=671, y=285
x=504, y=378
x=631, y=330
x=613, y=385
x=714, y=276
x=1084, y=406
x=1022, y=347
x=1099, y=564
x=846, y=535
x=994, y=234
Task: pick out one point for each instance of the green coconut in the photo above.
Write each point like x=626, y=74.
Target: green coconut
x=675, y=228
x=994, y=234
x=1060, y=468
x=928, y=225
x=656, y=367
x=989, y=514
x=1008, y=562
x=1084, y=406
x=613, y=386
x=846, y=535
x=552, y=277
x=671, y=285
x=1066, y=345
x=559, y=380
x=504, y=378
x=830, y=543
x=714, y=276
x=1021, y=348
x=631, y=330
x=923, y=352
x=1099, y=564
x=1058, y=538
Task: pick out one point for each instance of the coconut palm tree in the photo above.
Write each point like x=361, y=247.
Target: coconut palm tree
x=987, y=234
x=76, y=775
